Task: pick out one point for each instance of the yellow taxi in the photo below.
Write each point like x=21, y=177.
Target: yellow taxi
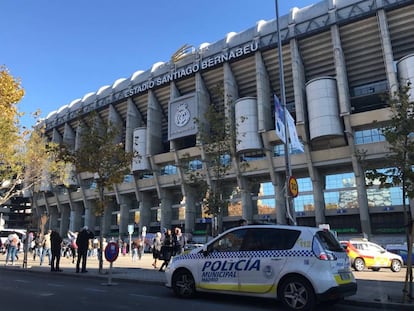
x=365, y=254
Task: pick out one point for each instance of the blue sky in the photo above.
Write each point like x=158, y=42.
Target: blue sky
x=62, y=50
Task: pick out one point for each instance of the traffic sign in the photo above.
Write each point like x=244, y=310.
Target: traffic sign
x=111, y=251
x=293, y=187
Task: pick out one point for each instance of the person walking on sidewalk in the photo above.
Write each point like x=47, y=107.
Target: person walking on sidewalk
x=156, y=248
x=46, y=248
x=12, y=245
x=179, y=239
x=167, y=249
x=82, y=241
x=73, y=247
x=37, y=249
x=56, y=247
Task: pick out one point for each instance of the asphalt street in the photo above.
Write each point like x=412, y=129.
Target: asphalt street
x=382, y=289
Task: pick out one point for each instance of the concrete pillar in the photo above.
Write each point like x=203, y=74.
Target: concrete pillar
x=202, y=95
x=64, y=219
x=154, y=124
x=166, y=208
x=54, y=216
x=116, y=120
x=246, y=201
x=264, y=101
x=125, y=203
x=387, y=52
x=318, y=198
x=89, y=218
x=280, y=199
x=107, y=216
x=78, y=136
x=299, y=82
x=230, y=85
x=133, y=120
x=76, y=221
x=69, y=136
x=345, y=104
x=191, y=202
x=56, y=137
x=145, y=210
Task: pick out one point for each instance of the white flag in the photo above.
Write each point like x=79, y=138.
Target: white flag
x=293, y=135
x=280, y=126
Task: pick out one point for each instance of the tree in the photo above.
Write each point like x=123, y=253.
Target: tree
x=217, y=135
x=24, y=153
x=399, y=163
x=101, y=153
x=11, y=142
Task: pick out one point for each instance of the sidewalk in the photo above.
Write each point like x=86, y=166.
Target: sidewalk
x=373, y=293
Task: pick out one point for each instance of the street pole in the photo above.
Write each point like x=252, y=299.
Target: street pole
x=288, y=170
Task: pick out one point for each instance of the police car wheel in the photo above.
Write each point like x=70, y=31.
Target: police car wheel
x=183, y=284
x=297, y=294
x=395, y=265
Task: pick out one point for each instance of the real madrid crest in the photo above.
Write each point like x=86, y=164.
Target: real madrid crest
x=182, y=115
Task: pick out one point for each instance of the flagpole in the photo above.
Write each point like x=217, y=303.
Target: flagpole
x=288, y=171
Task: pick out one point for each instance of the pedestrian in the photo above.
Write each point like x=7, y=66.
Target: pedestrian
x=12, y=245
x=140, y=248
x=37, y=251
x=55, y=246
x=167, y=249
x=156, y=248
x=124, y=249
x=73, y=247
x=30, y=242
x=46, y=248
x=82, y=241
x=134, y=247
x=179, y=241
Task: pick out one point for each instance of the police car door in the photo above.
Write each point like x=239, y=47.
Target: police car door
x=262, y=259
x=217, y=269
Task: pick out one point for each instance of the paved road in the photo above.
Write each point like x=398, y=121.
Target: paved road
x=381, y=289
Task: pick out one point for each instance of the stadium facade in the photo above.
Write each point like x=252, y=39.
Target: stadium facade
x=339, y=56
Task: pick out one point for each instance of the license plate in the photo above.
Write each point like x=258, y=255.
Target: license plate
x=345, y=276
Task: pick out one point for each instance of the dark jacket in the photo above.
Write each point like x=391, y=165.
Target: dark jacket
x=167, y=249
x=82, y=241
x=55, y=241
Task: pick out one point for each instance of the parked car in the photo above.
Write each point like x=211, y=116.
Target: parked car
x=365, y=254
x=300, y=266
x=402, y=250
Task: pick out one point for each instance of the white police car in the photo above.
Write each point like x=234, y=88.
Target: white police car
x=300, y=266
